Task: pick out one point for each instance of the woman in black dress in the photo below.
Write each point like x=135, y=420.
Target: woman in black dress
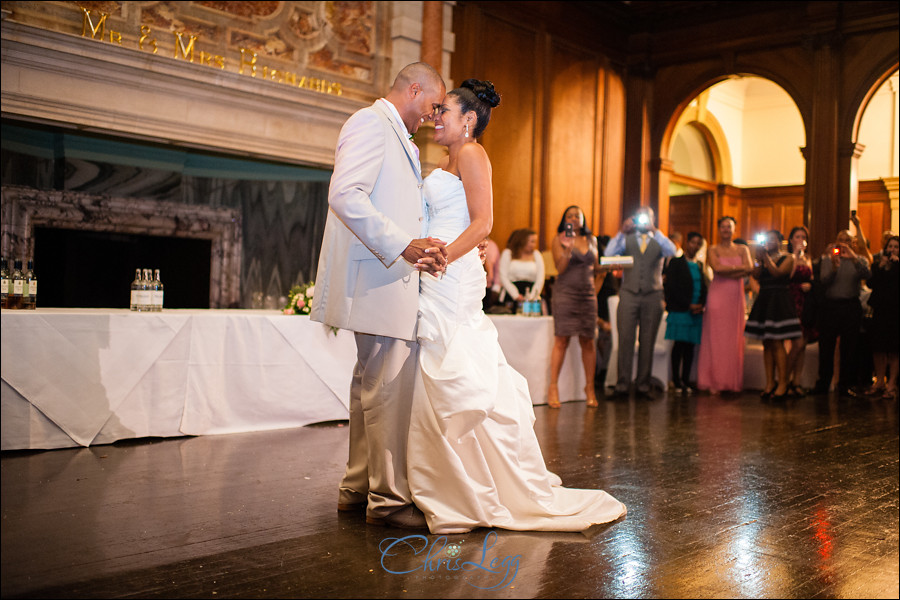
x=773, y=318
x=884, y=301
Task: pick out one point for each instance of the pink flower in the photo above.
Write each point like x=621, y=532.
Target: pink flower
x=289, y=311
x=300, y=302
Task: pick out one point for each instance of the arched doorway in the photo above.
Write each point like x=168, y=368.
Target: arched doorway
x=736, y=150
x=874, y=177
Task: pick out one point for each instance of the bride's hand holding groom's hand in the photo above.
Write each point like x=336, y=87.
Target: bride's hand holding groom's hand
x=427, y=254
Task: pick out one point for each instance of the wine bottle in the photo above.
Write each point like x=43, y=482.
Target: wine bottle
x=29, y=293
x=135, y=289
x=4, y=283
x=144, y=296
x=157, y=292
x=18, y=285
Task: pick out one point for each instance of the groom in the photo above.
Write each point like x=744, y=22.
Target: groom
x=366, y=283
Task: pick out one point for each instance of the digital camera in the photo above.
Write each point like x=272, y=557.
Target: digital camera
x=761, y=239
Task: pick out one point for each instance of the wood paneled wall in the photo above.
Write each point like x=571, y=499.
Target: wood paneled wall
x=557, y=137
x=779, y=207
x=590, y=90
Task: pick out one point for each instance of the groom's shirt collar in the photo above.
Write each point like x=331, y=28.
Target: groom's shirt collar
x=396, y=114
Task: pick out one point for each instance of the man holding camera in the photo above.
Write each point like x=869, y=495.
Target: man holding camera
x=641, y=301
x=842, y=272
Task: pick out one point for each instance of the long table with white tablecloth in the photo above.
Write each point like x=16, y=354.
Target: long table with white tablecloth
x=77, y=377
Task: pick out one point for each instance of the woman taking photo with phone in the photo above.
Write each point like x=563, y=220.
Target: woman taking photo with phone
x=574, y=299
x=773, y=318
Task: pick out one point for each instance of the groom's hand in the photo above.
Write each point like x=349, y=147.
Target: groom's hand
x=482, y=250
x=427, y=254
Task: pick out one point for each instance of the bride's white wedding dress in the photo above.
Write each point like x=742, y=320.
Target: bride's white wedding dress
x=474, y=459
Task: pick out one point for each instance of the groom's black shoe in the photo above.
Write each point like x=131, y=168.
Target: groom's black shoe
x=408, y=517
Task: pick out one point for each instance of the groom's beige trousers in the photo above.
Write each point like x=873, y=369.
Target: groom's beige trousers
x=384, y=382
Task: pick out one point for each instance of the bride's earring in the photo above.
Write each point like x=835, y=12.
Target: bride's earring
x=467, y=130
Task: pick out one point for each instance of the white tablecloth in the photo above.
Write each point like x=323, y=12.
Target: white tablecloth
x=90, y=376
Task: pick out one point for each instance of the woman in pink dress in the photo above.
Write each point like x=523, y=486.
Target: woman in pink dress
x=721, y=363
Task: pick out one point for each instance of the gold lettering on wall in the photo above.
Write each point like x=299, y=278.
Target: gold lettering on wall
x=145, y=33
x=188, y=52
x=251, y=63
x=87, y=22
x=182, y=51
x=212, y=60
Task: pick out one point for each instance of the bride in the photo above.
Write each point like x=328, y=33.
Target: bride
x=474, y=459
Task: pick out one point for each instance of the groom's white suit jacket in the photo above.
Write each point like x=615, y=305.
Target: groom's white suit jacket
x=375, y=210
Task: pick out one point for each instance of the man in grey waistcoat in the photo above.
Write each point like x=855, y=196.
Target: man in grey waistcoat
x=640, y=295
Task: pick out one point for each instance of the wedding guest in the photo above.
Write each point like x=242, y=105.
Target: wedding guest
x=574, y=298
x=773, y=318
x=609, y=287
x=884, y=301
x=521, y=268
x=678, y=240
x=800, y=288
x=492, y=275
x=685, y=288
x=860, y=243
x=720, y=365
x=640, y=297
x=842, y=274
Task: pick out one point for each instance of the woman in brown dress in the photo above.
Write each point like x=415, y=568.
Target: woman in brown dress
x=574, y=299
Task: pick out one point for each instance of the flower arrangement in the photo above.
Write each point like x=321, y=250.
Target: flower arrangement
x=299, y=299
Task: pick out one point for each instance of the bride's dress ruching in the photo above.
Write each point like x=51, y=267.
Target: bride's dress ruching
x=474, y=459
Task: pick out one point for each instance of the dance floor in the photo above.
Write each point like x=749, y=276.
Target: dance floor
x=727, y=497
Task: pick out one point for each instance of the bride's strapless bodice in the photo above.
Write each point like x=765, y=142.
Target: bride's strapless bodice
x=445, y=203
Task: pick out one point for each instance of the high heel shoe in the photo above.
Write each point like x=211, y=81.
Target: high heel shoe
x=782, y=396
x=591, y=396
x=796, y=391
x=553, y=396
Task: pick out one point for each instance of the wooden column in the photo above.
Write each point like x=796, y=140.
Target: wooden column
x=636, y=186
x=661, y=170
x=848, y=171
x=826, y=203
x=433, y=33
x=431, y=53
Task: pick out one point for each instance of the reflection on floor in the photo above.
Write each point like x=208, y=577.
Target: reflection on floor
x=727, y=497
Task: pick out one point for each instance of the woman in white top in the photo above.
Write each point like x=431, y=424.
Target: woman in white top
x=521, y=268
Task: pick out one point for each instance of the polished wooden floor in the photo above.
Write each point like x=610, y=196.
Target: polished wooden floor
x=727, y=498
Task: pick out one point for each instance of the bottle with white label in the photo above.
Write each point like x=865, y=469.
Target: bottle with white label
x=156, y=293
x=18, y=286
x=4, y=283
x=135, y=290
x=144, y=295
x=29, y=293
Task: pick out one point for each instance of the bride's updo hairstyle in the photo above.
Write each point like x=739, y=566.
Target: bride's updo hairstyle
x=480, y=96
